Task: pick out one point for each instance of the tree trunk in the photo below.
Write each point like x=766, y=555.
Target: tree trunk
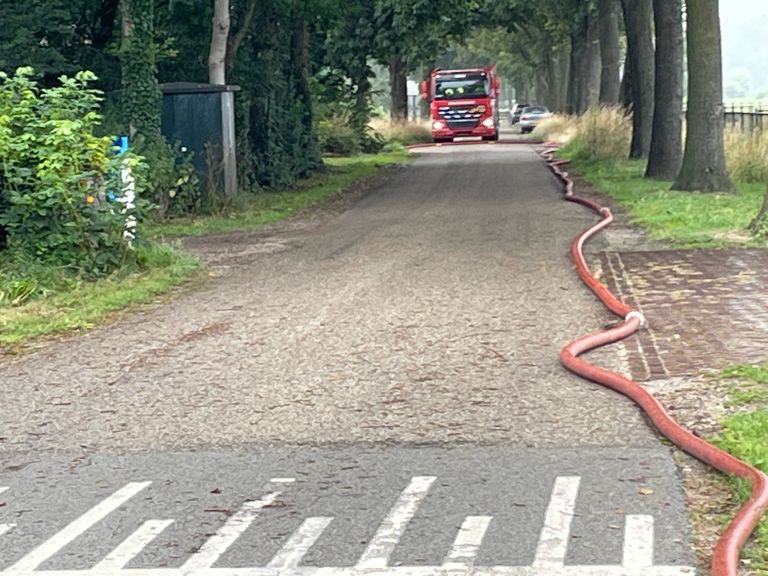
x=398, y=85
x=591, y=84
x=638, y=17
x=704, y=159
x=610, y=82
x=235, y=39
x=625, y=92
x=217, y=54
x=574, y=102
x=759, y=226
x=141, y=97
x=310, y=155
x=666, y=152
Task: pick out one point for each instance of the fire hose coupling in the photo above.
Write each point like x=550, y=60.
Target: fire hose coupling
x=635, y=314
x=605, y=212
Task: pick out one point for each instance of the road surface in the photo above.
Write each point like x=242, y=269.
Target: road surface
x=373, y=393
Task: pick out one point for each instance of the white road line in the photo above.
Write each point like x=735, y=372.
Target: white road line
x=3, y=489
x=6, y=528
x=573, y=570
x=235, y=525
x=553, y=541
x=78, y=527
x=638, y=541
x=283, y=480
x=380, y=548
x=133, y=545
x=299, y=543
x=467, y=543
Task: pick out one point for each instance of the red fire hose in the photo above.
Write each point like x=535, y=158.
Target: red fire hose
x=725, y=557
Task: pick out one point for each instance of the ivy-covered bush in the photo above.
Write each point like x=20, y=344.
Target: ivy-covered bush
x=61, y=184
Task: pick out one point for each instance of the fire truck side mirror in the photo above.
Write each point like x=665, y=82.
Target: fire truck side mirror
x=423, y=90
x=495, y=84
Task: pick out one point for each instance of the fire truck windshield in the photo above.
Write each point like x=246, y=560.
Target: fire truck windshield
x=461, y=86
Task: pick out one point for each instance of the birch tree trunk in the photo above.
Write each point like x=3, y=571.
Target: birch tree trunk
x=217, y=56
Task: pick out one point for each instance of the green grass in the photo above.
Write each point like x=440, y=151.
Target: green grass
x=745, y=435
x=64, y=304
x=684, y=218
x=263, y=208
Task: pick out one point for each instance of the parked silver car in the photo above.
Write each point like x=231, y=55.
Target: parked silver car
x=530, y=116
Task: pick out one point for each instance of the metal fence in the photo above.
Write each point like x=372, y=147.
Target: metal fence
x=747, y=117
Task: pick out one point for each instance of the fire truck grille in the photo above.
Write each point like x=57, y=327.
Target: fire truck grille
x=460, y=117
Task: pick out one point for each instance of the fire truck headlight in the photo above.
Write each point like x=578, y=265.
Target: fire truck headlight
x=438, y=125
x=488, y=123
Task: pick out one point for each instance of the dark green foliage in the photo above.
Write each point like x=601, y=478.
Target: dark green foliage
x=141, y=98
x=272, y=71
x=58, y=177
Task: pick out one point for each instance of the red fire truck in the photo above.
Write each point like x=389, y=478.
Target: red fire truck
x=463, y=103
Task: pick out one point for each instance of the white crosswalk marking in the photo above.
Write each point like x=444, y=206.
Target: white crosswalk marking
x=638, y=541
x=467, y=543
x=460, y=560
x=380, y=548
x=134, y=544
x=66, y=535
x=299, y=543
x=553, y=541
x=227, y=534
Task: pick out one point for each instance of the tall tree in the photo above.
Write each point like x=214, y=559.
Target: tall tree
x=141, y=95
x=703, y=166
x=610, y=53
x=665, y=155
x=217, y=54
x=638, y=18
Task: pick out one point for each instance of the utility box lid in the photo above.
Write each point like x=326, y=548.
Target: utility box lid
x=196, y=88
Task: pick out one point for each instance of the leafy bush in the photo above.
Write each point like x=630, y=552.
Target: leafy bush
x=336, y=136
x=746, y=155
x=59, y=177
x=171, y=178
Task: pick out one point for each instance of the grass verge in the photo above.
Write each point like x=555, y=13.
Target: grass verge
x=745, y=435
x=684, y=218
x=66, y=304
x=256, y=210
x=39, y=301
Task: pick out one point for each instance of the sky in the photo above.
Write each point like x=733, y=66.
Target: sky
x=745, y=38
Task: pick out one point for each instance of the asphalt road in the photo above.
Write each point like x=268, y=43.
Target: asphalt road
x=376, y=392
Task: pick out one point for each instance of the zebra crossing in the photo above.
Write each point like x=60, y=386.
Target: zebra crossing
x=460, y=558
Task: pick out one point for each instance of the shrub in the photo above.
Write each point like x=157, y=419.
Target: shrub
x=336, y=136
x=59, y=177
x=746, y=154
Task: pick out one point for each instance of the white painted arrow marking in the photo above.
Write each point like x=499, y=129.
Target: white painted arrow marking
x=380, y=548
x=67, y=534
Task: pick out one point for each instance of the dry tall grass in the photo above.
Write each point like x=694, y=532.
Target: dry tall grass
x=406, y=133
x=559, y=128
x=604, y=132
x=746, y=155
